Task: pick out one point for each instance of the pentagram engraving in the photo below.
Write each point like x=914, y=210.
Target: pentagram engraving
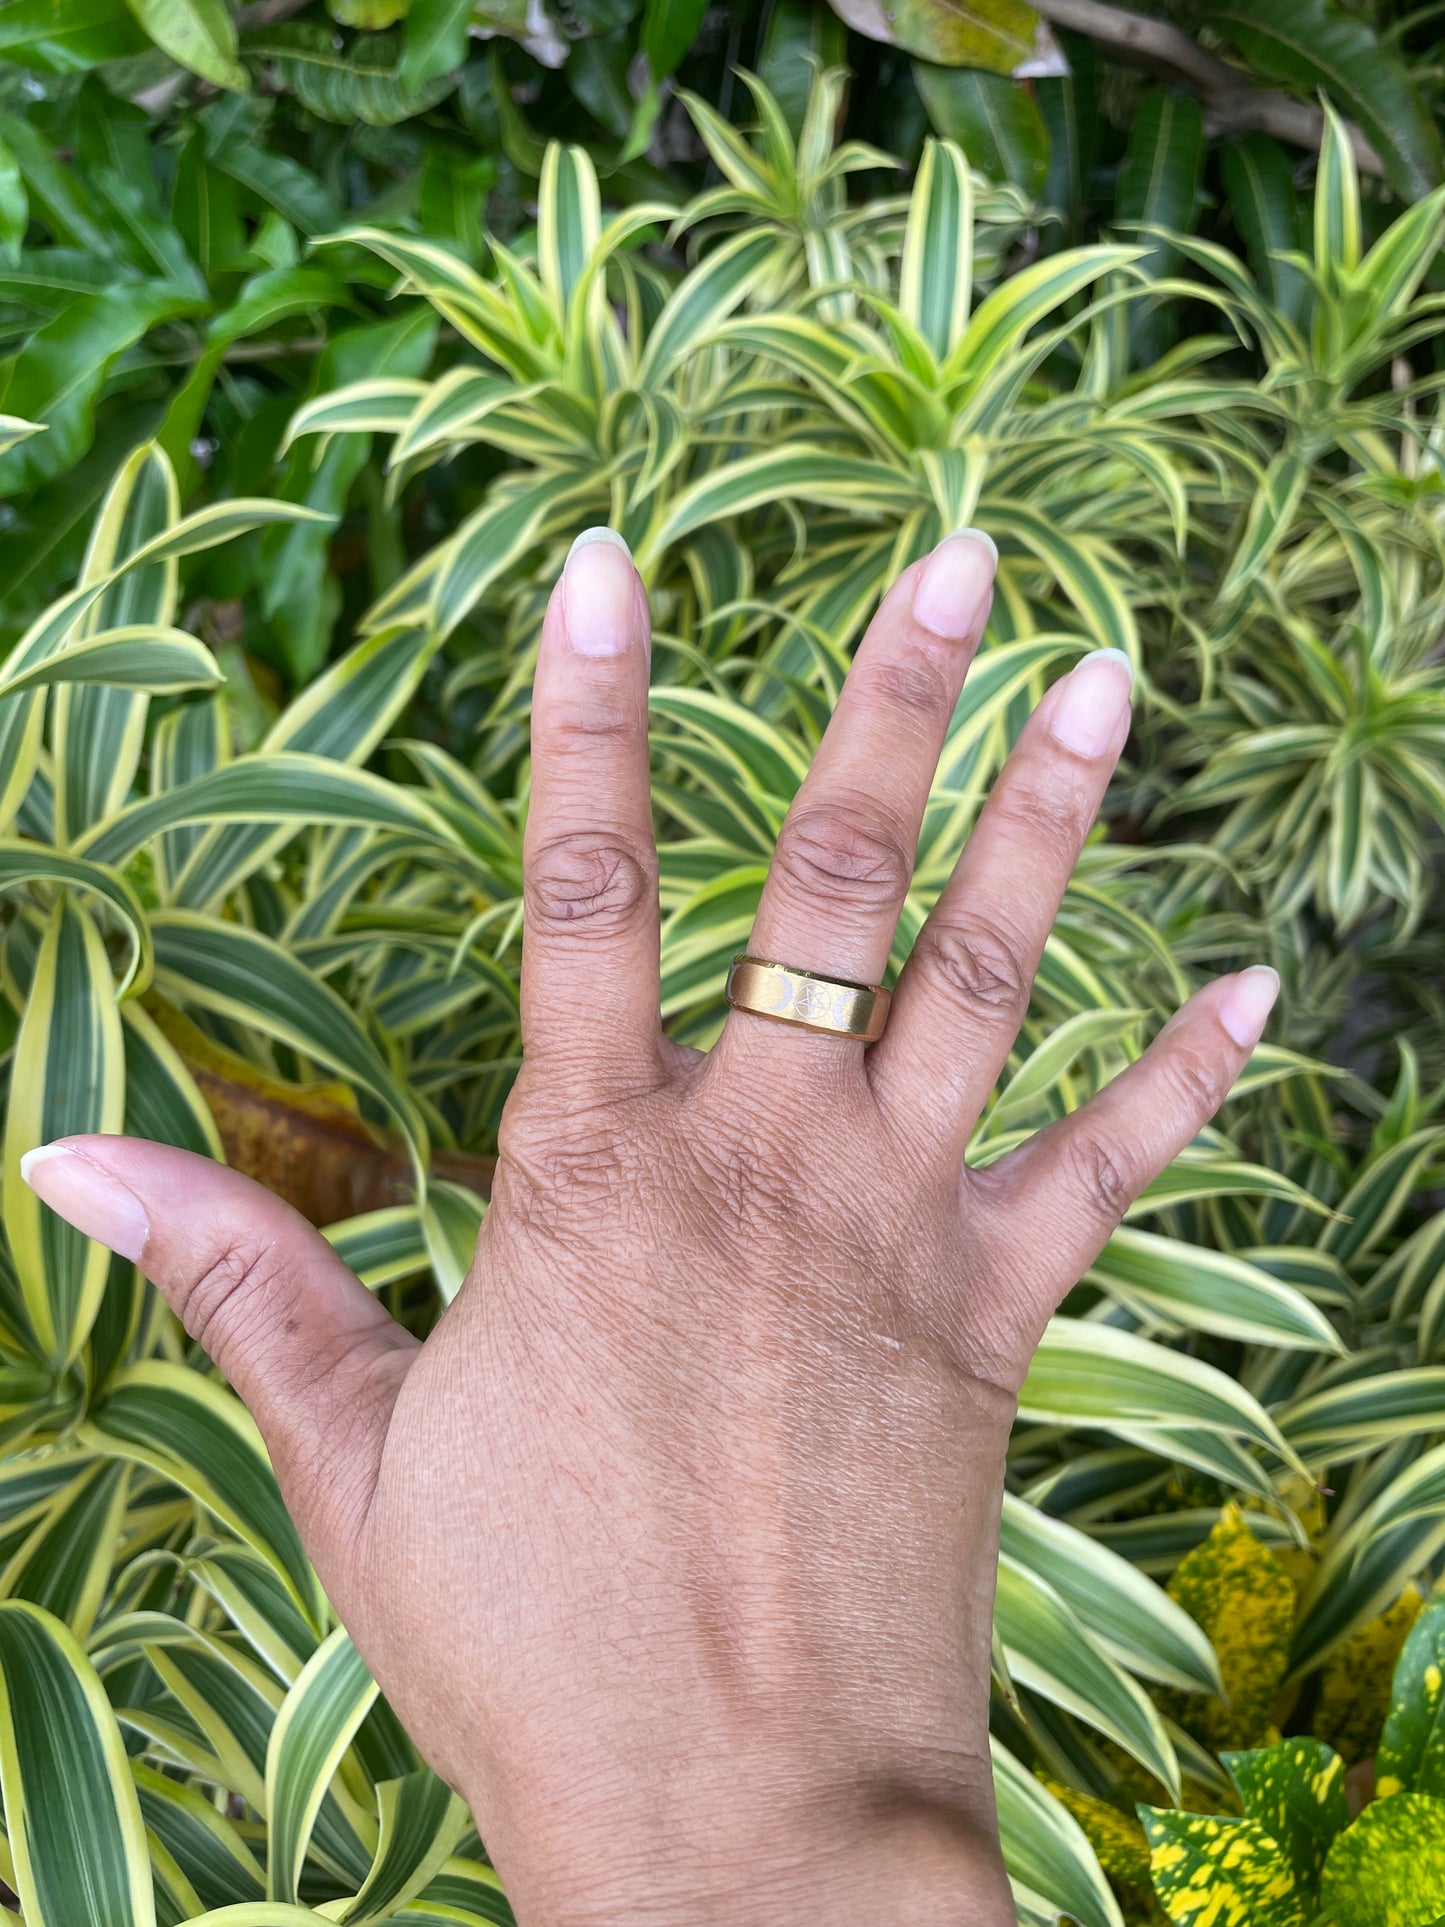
x=812, y=1001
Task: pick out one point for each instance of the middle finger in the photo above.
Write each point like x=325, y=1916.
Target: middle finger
x=845, y=853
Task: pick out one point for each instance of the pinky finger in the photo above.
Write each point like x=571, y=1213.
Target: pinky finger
x=1059, y=1198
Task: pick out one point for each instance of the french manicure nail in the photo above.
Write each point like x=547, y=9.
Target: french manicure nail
x=1247, y=1003
x=955, y=585
x=87, y=1197
x=599, y=594
x=1092, y=698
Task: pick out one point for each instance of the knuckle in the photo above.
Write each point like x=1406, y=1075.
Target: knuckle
x=841, y=854
x=978, y=965
x=915, y=687
x=579, y=727
x=1094, y=1171
x=237, y=1288
x=1194, y=1081
x=595, y=881
x=1040, y=813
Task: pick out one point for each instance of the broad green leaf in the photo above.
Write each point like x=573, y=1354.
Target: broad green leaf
x=200, y=34
x=1315, y=44
x=25, y=863
x=287, y=788
x=997, y=35
x=996, y=122
x=383, y=1246
x=1388, y=1869
x=1411, y=1754
x=669, y=28
x=362, y=82
x=1295, y=1790
x=317, y=1723
x=1158, y=184
x=148, y=656
x=436, y=40
x=1341, y=1422
x=1231, y=1873
x=71, y=1814
x=68, y=1077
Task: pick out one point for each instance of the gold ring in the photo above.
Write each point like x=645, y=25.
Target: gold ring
x=802, y=997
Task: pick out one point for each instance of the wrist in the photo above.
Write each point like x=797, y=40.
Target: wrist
x=890, y=1855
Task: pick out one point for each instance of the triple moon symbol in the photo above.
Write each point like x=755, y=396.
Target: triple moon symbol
x=813, y=1000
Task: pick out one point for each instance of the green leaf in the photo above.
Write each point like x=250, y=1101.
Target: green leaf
x=998, y=35
x=1049, y=1651
x=14, y=205
x=57, y=377
x=200, y=34
x=1295, y=1790
x=286, y=788
x=361, y=81
x=240, y=974
x=68, y=1076
x=669, y=28
x=1095, y=1375
x=994, y=120
x=1231, y=1873
x=190, y=1430
x=317, y=1723
x=1132, y=1618
x=148, y=656
x=1411, y=1754
x=71, y=1813
x=82, y=34
x=1388, y=1869
x=422, y=1821
x=435, y=42
x=1259, y=179
x=1314, y=44
x=1044, y=1848
x=1209, y=1291
x=935, y=283
x=1158, y=185
x=65, y=1564
x=203, y=1843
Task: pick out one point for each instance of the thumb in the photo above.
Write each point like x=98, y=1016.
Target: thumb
x=315, y=1357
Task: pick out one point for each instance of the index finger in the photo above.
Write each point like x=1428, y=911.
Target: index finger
x=590, y=933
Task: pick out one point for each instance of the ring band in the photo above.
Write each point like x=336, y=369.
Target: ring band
x=802, y=997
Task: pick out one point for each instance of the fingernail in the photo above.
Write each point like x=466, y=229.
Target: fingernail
x=1092, y=698
x=1247, y=1003
x=599, y=593
x=955, y=585
x=87, y=1197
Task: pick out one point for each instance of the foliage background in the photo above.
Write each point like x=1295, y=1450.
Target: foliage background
x=321, y=347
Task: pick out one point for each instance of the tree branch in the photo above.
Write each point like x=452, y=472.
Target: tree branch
x=1231, y=104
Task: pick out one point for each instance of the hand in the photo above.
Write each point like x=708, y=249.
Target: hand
x=674, y=1545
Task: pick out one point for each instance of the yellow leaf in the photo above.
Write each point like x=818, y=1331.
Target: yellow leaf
x=1355, y=1686
x=1242, y=1597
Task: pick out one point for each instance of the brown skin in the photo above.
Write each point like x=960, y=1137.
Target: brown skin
x=674, y=1545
